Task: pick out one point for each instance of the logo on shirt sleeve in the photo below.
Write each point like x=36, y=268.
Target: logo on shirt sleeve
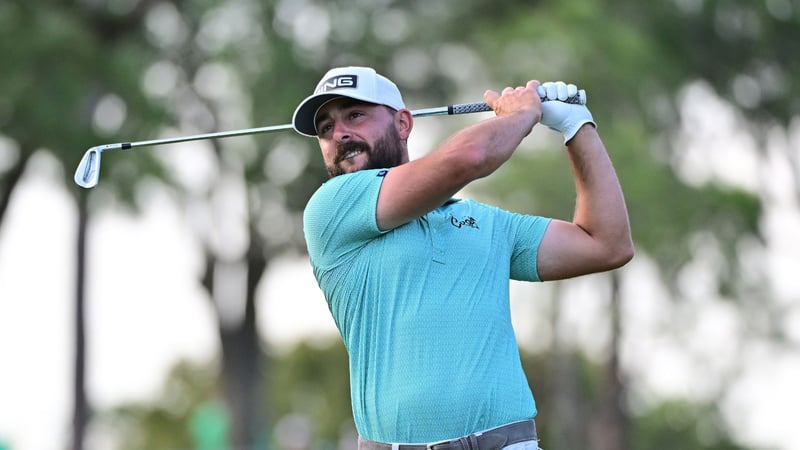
x=382, y=173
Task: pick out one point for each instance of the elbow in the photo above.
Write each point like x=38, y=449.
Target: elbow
x=472, y=162
x=620, y=253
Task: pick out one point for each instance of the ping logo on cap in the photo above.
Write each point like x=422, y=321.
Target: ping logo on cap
x=338, y=82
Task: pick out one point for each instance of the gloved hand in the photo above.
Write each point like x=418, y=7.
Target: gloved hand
x=566, y=118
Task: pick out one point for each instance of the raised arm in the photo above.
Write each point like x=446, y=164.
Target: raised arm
x=598, y=238
x=420, y=186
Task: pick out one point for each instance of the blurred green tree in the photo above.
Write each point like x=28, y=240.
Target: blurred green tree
x=70, y=79
x=79, y=73
x=171, y=421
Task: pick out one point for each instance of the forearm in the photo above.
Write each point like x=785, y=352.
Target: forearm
x=600, y=205
x=486, y=145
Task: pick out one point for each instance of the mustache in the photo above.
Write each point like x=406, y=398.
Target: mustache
x=350, y=146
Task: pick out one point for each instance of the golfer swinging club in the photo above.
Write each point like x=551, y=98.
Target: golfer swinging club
x=418, y=281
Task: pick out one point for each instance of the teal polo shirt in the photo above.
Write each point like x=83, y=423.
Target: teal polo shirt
x=423, y=310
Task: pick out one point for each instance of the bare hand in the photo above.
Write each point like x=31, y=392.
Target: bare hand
x=516, y=100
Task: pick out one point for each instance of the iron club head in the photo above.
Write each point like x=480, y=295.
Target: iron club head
x=88, y=172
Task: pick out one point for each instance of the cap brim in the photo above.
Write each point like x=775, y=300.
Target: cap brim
x=304, y=119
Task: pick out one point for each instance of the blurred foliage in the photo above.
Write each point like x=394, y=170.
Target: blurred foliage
x=166, y=422
x=79, y=73
x=681, y=425
x=70, y=80
x=311, y=381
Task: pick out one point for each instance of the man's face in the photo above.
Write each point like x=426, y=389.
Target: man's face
x=356, y=136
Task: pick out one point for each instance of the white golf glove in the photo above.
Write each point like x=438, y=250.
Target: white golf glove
x=566, y=118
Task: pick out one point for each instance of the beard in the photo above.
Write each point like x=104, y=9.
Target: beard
x=387, y=152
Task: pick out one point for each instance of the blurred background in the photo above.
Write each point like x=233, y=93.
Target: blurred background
x=172, y=306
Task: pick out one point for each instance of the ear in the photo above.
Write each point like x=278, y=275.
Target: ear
x=403, y=122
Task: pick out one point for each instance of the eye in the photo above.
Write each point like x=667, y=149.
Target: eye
x=355, y=114
x=324, y=128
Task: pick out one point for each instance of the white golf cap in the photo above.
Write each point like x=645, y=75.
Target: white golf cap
x=360, y=83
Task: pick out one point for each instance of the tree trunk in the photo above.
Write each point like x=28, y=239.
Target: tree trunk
x=567, y=419
x=610, y=430
x=81, y=412
x=10, y=180
x=241, y=359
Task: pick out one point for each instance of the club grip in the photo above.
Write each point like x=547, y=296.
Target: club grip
x=475, y=107
x=468, y=108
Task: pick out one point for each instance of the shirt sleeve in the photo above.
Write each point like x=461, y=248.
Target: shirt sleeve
x=527, y=233
x=341, y=217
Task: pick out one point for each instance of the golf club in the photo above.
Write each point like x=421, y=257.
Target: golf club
x=87, y=174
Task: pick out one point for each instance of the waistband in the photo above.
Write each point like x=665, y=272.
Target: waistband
x=493, y=439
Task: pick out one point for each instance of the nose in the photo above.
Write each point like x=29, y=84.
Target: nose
x=341, y=133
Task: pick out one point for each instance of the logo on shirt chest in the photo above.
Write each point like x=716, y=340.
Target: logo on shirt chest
x=465, y=222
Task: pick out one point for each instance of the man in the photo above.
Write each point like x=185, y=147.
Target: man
x=418, y=282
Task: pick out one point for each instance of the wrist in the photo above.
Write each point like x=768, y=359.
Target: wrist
x=576, y=122
x=524, y=119
x=586, y=130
